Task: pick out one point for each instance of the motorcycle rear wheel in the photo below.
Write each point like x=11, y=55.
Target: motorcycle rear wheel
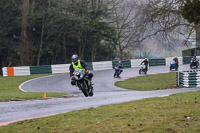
x=197, y=65
x=145, y=71
x=190, y=66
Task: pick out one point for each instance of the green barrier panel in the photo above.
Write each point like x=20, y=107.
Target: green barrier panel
x=126, y=63
x=187, y=59
x=40, y=69
x=90, y=65
x=191, y=79
x=157, y=62
x=188, y=78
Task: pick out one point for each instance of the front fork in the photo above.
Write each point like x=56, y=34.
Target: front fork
x=85, y=84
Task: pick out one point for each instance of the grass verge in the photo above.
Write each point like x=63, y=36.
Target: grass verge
x=175, y=113
x=150, y=82
x=9, y=89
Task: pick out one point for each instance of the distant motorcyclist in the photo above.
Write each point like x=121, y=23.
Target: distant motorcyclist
x=194, y=58
x=194, y=62
x=176, y=60
x=146, y=63
x=118, y=69
x=119, y=65
x=76, y=63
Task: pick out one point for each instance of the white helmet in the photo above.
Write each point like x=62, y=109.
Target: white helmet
x=75, y=58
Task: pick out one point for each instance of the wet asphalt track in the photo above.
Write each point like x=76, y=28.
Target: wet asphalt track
x=104, y=93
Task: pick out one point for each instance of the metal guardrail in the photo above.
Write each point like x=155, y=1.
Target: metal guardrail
x=45, y=69
x=90, y=65
x=63, y=68
x=157, y=62
x=126, y=63
x=187, y=59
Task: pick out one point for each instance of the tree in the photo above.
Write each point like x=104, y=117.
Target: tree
x=191, y=12
x=24, y=46
x=50, y=31
x=10, y=29
x=163, y=22
x=125, y=19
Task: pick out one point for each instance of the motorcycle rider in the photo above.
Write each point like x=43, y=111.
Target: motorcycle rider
x=176, y=60
x=194, y=57
x=118, y=69
x=119, y=65
x=146, y=63
x=76, y=63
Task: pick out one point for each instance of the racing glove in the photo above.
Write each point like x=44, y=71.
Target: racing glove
x=87, y=71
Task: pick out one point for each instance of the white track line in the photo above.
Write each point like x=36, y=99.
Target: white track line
x=20, y=86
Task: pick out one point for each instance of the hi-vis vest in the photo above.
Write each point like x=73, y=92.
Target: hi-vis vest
x=78, y=66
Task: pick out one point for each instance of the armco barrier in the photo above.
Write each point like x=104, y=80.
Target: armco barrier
x=60, y=68
x=188, y=79
x=157, y=62
x=16, y=71
x=46, y=69
x=126, y=63
x=63, y=68
x=90, y=65
x=104, y=65
x=4, y=70
x=20, y=71
x=187, y=59
x=136, y=62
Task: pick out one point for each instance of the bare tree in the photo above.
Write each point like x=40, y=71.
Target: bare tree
x=125, y=18
x=24, y=46
x=162, y=19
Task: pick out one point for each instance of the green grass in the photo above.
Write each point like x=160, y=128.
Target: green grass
x=177, y=113
x=150, y=82
x=174, y=114
x=9, y=89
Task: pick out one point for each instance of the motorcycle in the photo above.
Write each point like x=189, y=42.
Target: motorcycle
x=143, y=69
x=83, y=82
x=118, y=71
x=194, y=63
x=173, y=66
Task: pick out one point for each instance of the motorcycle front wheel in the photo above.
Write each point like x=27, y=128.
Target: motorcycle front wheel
x=140, y=71
x=118, y=74
x=84, y=90
x=115, y=75
x=91, y=91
